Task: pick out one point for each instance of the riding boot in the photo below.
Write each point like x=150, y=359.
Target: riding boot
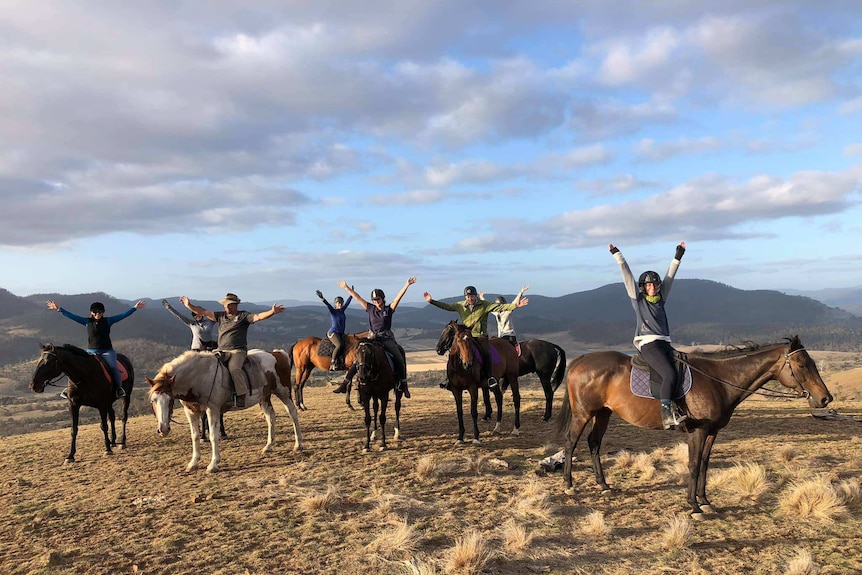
x=239, y=401
x=342, y=387
x=120, y=392
x=667, y=418
x=679, y=415
x=445, y=384
x=402, y=386
x=65, y=393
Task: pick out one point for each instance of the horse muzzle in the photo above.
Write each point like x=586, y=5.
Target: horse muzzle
x=819, y=402
x=38, y=387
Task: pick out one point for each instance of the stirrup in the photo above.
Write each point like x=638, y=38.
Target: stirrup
x=492, y=382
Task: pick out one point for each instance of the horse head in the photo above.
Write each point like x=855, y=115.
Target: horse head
x=799, y=372
x=463, y=346
x=445, y=341
x=48, y=369
x=162, y=400
x=366, y=364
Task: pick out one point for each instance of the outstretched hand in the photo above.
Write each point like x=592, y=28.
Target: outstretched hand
x=277, y=308
x=427, y=297
x=140, y=303
x=319, y=294
x=523, y=301
x=53, y=306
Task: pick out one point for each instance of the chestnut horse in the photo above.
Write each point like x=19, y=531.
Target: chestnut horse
x=598, y=384
x=375, y=378
x=303, y=355
x=89, y=384
x=464, y=373
x=202, y=383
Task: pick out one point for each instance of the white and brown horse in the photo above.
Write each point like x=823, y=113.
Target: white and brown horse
x=202, y=383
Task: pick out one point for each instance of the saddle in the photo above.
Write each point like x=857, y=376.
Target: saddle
x=646, y=382
x=124, y=375
x=492, y=353
x=223, y=358
x=324, y=349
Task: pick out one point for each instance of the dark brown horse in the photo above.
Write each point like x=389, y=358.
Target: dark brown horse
x=463, y=371
x=548, y=361
x=375, y=378
x=89, y=384
x=303, y=355
x=597, y=385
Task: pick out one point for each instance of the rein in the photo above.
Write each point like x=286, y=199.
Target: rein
x=53, y=382
x=801, y=392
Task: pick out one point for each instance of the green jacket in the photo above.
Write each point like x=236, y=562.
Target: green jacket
x=477, y=318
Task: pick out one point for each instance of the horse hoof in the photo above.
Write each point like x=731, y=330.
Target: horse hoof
x=477, y=442
x=211, y=469
x=109, y=452
x=697, y=516
x=708, y=509
x=516, y=432
x=606, y=491
x=366, y=450
x=569, y=491
x=382, y=448
x=68, y=460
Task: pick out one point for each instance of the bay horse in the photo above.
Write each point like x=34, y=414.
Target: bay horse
x=89, y=384
x=202, y=383
x=548, y=361
x=597, y=385
x=463, y=369
x=303, y=355
x=375, y=378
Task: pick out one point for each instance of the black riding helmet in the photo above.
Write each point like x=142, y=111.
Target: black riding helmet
x=649, y=277
x=97, y=306
x=377, y=293
x=339, y=299
x=499, y=299
x=470, y=290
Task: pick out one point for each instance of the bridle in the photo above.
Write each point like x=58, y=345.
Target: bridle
x=798, y=386
x=365, y=363
x=61, y=375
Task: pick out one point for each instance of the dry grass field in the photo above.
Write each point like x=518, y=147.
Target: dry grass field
x=788, y=486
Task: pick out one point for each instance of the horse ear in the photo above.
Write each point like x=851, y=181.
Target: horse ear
x=150, y=382
x=43, y=347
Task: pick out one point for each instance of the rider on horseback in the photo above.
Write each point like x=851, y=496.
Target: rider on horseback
x=652, y=333
x=99, y=337
x=380, y=325
x=474, y=314
x=505, y=327
x=337, y=329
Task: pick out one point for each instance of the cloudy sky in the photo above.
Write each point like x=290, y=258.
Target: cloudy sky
x=160, y=149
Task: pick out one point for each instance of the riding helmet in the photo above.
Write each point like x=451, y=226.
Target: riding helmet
x=499, y=299
x=649, y=277
x=377, y=294
x=470, y=290
x=339, y=299
x=97, y=306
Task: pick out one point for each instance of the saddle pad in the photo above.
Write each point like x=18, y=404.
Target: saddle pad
x=640, y=383
x=124, y=375
x=324, y=349
x=492, y=351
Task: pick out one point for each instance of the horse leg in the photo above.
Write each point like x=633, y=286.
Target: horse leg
x=459, y=408
x=474, y=413
x=384, y=401
x=576, y=428
x=75, y=411
x=397, y=436
x=125, y=418
x=704, y=503
x=212, y=414
x=269, y=414
x=516, y=400
x=486, y=395
x=549, y=396
x=112, y=420
x=284, y=395
x=195, y=430
x=103, y=415
x=498, y=397
x=594, y=440
x=347, y=396
x=301, y=375
x=376, y=403
x=221, y=430
x=696, y=447
x=366, y=405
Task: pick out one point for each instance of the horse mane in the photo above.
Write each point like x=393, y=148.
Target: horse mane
x=75, y=350
x=170, y=366
x=736, y=350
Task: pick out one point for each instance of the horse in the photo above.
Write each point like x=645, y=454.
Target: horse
x=463, y=370
x=303, y=355
x=375, y=378
x=202, y=383
x=598, y=384
x=548, y=361
x=89, y=384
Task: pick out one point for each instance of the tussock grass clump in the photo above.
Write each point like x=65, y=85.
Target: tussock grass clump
x=624, y=459
x=531, y=501
x=814, y=499
x=428, y=468
x=595, y=526
x=477, y=463
x=801, y=564
x=400, y=540
x=746, y=480
x=320, y=502
x=678, y=534
x=469, y=555
x=416, y=567
x=849, y=491
x=786, y=453
x=644, y=465
x=516, y=538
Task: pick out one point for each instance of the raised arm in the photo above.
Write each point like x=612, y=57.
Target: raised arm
x=520, y=294
x=275, y=309
x=175, y=313
x=202, y=311
x=671, y=270
x=410, y=281
x=349, y=289
x=628, y=278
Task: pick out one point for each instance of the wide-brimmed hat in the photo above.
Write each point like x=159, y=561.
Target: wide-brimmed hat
x=229, y=298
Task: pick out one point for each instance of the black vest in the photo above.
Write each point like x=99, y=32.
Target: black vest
x=99, y=333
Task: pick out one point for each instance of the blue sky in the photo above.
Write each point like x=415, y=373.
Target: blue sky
x=152, y=150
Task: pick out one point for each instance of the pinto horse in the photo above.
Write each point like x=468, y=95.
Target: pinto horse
x=464, y=373
x=303, y=355
x=89, y=384
x=202, y=383
x=548, y=361
x=598, y=384
x=375, y=378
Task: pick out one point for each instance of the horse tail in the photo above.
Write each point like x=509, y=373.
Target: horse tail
x=560, y=369
x=564, y=418
x=290, y=363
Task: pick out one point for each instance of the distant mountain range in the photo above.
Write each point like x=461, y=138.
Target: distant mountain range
x=700, y=311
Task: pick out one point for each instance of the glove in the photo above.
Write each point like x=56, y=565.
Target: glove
x=679, y=251
x=615, y=250
x=319, y=294
x=165, y=303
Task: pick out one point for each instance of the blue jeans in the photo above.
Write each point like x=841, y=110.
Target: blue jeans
x=110, y=357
